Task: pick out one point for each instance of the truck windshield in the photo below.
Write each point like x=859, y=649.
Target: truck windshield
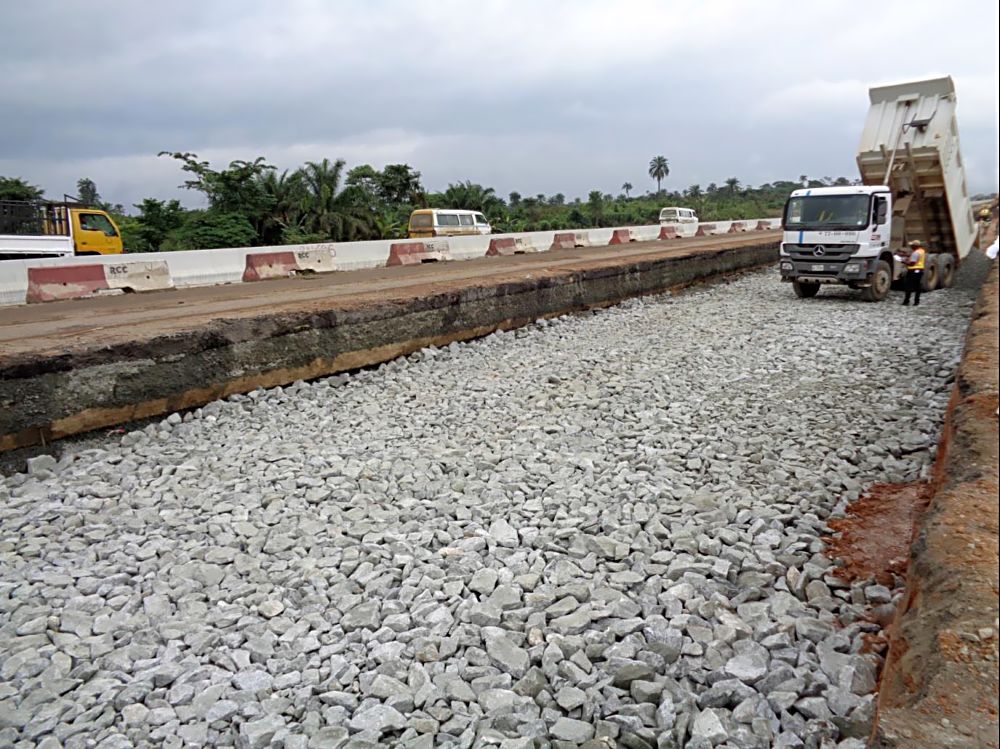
x=827, y=212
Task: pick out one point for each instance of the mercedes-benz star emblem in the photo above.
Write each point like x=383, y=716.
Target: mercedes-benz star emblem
x=820, y=250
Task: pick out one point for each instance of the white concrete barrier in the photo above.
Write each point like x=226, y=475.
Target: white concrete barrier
x=148, y=275
x=227, y=265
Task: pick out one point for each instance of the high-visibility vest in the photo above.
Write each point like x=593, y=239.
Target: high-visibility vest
x=921, y=254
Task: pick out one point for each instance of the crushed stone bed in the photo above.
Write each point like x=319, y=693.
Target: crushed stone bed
x=600, y=530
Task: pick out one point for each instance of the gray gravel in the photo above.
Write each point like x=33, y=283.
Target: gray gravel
x=602, y=530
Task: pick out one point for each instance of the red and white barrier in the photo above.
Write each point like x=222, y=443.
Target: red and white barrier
x=567, y=240
x=563, y=241
x=705, y=230
x=623, y=236
x=502, y=246
x=55, y=282
x=261, y=266
x=65, y=282
x=736, y=227
x=415, y=253
x=229, y=264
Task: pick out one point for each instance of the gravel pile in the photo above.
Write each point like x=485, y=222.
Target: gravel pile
x=602, y=530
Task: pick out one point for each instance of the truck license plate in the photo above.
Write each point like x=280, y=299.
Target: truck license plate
x=819, y=268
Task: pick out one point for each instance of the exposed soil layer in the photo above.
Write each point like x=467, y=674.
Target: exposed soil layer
x=874, y=539
x=940, y=684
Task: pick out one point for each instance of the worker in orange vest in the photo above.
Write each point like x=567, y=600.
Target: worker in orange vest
x=915, y=271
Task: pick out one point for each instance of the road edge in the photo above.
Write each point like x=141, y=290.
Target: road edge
x=939, y=686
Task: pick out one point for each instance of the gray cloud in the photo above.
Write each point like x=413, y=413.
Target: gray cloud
x=539, y=97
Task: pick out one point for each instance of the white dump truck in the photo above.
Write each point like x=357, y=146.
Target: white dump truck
x=912, y=187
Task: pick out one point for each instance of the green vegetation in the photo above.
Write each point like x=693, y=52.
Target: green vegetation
x=15, y=188
x=250, y=203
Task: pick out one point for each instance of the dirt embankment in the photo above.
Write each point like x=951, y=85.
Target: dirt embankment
x=940, y=683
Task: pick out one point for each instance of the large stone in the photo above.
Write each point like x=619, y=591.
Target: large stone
x=624, y=671
x=378, y=719
x=257, y=734
x=253, y=681
x=708, y=726
x=502, y=533
x=363, y=616
x=748, y=667
x=505, y=654
x=568, y=729
x=483, y=581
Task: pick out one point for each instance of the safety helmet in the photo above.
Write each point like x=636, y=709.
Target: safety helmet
x=916, y=243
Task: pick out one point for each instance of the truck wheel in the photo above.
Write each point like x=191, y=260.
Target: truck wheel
x=946, y=271
x=881, y=281
x=930, y=279
x=805, y=289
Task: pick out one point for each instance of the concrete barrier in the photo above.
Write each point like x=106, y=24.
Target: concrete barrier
x=261, y=266
x=763, y=225
x=415, y=253
x=509, y=246
x=706, y=230
x=228, y=264
x=567, y=240
x=500, y=246
x=149, y=275
x=65, y=282
x=50, y=284
x=320, y=260
x=622, y=236
x=563, y=241
x=736, y=227
x=668, y=232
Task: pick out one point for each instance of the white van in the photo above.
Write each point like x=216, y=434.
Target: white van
x=678, y=216
x=442, y=222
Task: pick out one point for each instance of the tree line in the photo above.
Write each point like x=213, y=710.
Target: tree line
x=251, y=203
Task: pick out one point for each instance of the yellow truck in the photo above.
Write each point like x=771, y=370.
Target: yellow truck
x=40, y=229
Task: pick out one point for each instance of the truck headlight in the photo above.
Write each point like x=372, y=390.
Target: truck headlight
x=786, y=266
x=852, y=268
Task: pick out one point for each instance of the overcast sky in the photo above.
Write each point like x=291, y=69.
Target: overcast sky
x=529, y=96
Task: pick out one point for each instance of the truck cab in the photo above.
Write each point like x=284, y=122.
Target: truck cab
x=839, y=235
x=94, y=233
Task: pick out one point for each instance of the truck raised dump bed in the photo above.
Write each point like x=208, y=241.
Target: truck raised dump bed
x=913, y=187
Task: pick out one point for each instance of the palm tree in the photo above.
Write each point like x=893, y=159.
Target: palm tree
x=284, y=194
x=694, y=191
x=658, y=170
x=472, y=197
x=388, y=226
x=627, y=188
x=804, y=179
x=596, y=203
x=326, y=210
x=732, y=185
